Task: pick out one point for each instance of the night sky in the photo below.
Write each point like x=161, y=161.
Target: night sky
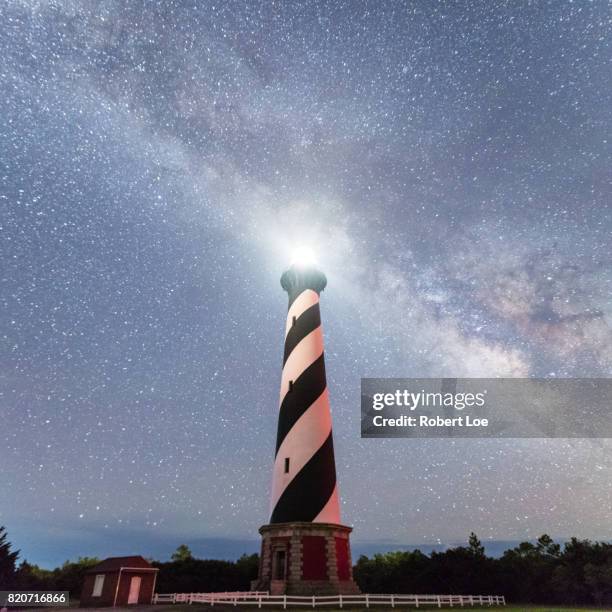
x=450, y=164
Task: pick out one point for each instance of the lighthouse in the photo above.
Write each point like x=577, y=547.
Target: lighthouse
x=305, y=548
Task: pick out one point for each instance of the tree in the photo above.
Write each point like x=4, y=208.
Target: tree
x=248, y=567
x=529, y=571
x=33, y=578
x=195, y=575
x=7, y=560
x=475, y=546
x=599, y=580
x=579, y=576
x=547, y=547
x=182, y=553
x=70, y=576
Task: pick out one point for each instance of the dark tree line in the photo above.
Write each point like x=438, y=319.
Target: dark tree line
x=183, y=573
x=67, y=577
x=578, y=573
x=186, y=574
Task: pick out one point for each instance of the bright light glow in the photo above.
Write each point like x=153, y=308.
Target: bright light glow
x=303, y=257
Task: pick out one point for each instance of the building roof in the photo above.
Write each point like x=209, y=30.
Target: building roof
x=114, y=564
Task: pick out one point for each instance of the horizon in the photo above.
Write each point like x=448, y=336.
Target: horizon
x=230, y=549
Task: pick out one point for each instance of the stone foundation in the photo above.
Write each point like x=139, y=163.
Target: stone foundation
x=305, y=559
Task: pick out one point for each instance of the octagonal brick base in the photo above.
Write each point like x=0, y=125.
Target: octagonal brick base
x=305, y=559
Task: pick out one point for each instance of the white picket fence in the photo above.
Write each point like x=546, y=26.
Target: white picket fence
x=259, y=598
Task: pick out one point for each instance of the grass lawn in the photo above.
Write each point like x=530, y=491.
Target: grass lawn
x=375, y=608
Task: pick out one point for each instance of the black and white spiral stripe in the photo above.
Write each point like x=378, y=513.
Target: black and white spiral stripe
x=304, y=479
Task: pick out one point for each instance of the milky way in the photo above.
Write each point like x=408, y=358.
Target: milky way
x=450, y=164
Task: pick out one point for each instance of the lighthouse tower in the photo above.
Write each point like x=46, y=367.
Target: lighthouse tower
x=305, y=549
